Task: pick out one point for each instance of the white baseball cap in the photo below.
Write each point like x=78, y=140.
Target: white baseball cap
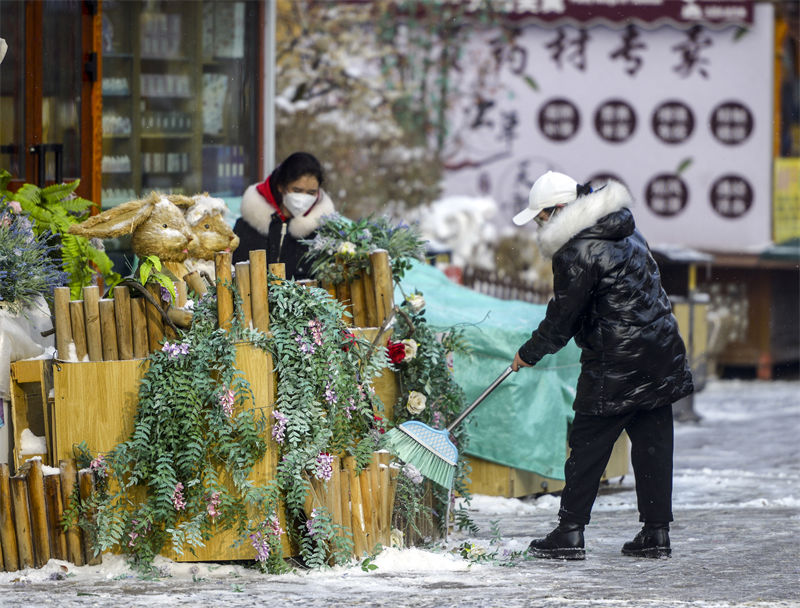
x=549, y=190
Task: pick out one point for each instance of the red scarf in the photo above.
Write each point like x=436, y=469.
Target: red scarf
x=265, y=191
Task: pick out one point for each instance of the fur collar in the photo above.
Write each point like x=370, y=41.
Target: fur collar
x=581, y=214
x=257, y=212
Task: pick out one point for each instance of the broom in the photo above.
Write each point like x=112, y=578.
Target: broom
x=430, y=450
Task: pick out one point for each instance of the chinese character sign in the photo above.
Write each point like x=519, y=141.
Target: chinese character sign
x=683, y=117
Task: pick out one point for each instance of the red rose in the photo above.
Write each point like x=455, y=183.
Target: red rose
x=397, y=352
x=348, y=340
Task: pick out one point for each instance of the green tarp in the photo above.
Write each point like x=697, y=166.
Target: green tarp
x=523, y=424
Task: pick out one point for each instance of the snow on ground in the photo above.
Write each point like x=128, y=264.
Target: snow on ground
x=737, y=518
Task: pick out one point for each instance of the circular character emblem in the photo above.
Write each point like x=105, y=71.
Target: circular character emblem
x=615, y=121
x=731, y=123
x=559, y=119
x=666, y=195
x=731, y=196
x=673, y=122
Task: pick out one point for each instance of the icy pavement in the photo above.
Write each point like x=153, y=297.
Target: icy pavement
x=737, y=521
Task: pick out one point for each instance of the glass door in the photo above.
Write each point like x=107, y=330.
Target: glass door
x=40, y=90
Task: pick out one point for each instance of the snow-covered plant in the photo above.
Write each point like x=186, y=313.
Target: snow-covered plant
x=28, y=268
x=341, y=247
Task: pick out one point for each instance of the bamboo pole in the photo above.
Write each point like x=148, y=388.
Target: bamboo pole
x=386, y=502
x=196, y=283
x=180, y=293
x=343, y=295
x=258, y=289
x=63, y=323
x=74, y=536
x=108, y=329
x=367, y=502
x=91, y=311
x=8, y=537
x=122, y=316
x=243, y=287
x=141, y=343
x=78, y=319
x=38, y=511
x=279, y=271
x=356, y=508
x=370, y=305
x=384, y=286
x=22, y=521
x=359, y=301
x=222, y=267
x=155, y=324
x=86, y=489
x=55, y=511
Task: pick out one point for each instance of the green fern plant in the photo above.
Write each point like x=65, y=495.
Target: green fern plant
x=54, y=209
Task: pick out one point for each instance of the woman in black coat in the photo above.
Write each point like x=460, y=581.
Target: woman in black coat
x=281, y=211
x=608, y=296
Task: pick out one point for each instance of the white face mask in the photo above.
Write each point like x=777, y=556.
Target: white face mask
x=298, y=202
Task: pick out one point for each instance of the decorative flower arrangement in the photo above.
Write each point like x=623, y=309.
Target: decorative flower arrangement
x=343, y=246
x=28, y=268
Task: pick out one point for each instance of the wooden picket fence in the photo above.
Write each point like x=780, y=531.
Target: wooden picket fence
x=31, y=511
x=504, y=288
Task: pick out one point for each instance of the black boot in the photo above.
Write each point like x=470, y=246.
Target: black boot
x=565, y=542
x=652, y=541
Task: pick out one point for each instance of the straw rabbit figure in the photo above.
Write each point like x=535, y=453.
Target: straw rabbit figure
x=206, y=218
x=157, y=227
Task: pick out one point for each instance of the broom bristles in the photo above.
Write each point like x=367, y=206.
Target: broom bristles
x=429, y=464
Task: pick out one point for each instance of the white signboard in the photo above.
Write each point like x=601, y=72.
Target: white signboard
x=683, y=117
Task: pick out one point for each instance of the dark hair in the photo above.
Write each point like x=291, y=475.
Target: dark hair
x=294, y=167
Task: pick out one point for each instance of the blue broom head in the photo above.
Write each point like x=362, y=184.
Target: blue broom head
x=436, y=441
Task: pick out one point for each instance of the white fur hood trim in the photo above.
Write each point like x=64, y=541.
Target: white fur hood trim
x=581, y=214
x=257, y=212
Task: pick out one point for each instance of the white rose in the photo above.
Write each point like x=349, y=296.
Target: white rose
x=416, y=402
x=396, y=538
x=416, y=302
x=347, y=248
x=410, y=346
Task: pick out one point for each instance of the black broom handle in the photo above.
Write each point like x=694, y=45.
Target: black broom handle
x=480, y=399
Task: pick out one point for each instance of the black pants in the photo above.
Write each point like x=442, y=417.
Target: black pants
x=591, y=441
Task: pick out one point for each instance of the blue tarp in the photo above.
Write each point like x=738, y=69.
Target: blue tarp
x=523, y=424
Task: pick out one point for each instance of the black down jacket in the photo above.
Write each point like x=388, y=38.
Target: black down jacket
x=608, y=296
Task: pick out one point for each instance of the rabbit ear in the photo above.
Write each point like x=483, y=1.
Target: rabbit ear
x=122, y=219
x=184, y=202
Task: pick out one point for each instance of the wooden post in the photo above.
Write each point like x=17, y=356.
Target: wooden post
x=63, y=324
x=122, y=316
x=335, y=490
x=343, y=295
x=368, y=508
x=258, y=289
x=369, y=299
x=78, y=328
x=74, y=536
x=180, y=293
x=55, y=511
x=141, y=343
x=91, y=311
x=222, y=264
x=330, y=288
x=356, y=508
x=8, y=537
x=386, y=501
x=155, y=323
x=359, y=301
x=345, y=517
x=196, y=283
x=86, y=489
x=22, y=521
x=243, y=287
x=384, y=286
x=41, y=535
x=108, y=329
x=279, y=271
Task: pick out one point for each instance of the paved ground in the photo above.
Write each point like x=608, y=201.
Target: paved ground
x=737, y=511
